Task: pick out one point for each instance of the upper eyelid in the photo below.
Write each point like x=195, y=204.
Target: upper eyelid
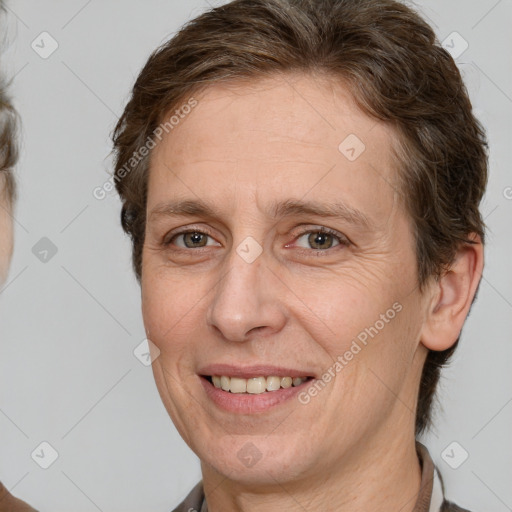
x=171, y=236
x=343, y=239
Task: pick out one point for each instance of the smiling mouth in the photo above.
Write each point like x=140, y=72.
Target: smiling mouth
x=254, y=385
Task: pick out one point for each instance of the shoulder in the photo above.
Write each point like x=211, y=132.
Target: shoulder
x=193, y=501
x=11, y=504
x=448, y=506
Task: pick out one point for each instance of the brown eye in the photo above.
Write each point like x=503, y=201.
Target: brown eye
x=191, y=240
x=320, y=240
x=195, y=239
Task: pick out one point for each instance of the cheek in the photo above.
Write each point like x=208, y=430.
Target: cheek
x=171, y=307
x=157, y=302
x=343, y=305
x=363, y=323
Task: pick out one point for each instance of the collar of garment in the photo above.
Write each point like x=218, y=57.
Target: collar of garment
x=430, y=497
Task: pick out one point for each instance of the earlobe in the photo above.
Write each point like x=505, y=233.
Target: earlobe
x=452, y=296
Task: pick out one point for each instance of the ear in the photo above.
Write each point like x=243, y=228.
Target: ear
x=452, y=296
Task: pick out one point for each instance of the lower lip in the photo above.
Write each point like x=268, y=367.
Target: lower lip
x=246, y=403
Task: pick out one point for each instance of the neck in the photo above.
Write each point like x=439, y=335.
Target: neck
x=383, y=476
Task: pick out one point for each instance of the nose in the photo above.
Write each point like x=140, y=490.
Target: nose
x=246, y=300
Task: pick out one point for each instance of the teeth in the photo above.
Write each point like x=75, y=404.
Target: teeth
x=255, y=385
x=286, y=382
x=238, y=385
x=273, y=383
x=224, y=383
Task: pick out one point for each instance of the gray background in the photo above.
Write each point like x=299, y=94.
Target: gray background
x=69, y=325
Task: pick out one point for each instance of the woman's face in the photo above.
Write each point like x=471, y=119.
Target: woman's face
x=253, y=290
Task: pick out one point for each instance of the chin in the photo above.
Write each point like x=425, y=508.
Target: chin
x=255, y=460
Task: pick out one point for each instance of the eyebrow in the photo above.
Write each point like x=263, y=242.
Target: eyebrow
x=337, y=210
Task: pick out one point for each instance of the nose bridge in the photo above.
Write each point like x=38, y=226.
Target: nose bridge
x=243, y=299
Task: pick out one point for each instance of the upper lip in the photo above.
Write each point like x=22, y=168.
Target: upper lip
x=246, y=372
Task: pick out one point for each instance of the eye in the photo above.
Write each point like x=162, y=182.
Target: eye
x=191, y=239
x=321, y=239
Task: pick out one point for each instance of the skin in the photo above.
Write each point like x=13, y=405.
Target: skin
x=7, y=500
x=242, y=148
x=6, y=229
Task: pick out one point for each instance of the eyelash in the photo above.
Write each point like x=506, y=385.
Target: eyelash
x=343, y=241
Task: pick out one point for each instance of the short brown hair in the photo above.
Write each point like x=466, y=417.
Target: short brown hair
x=397, y=72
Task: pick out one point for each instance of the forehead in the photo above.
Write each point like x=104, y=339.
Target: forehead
x=297, y=133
